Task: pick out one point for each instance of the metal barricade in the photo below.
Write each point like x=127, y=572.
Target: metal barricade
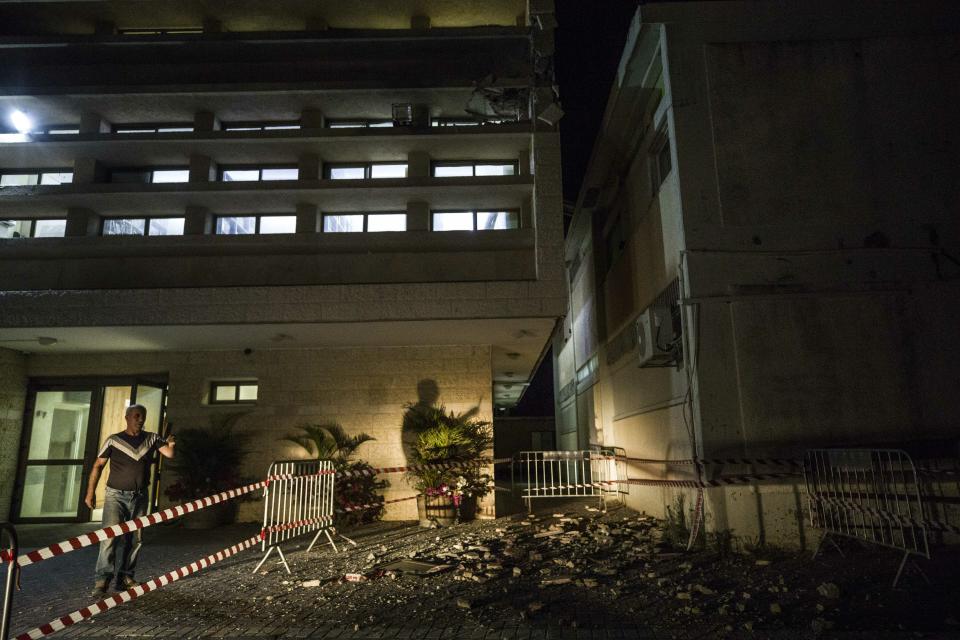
x=13, y=570
x=569, y=474
x=298, y=499
x=867, y=494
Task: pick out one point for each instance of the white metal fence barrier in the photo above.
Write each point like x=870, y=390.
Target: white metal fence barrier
x=867, y=494
x=569, y=474
x=297, y=499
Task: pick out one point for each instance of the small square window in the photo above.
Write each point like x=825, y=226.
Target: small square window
x=56, y=177
x=49, y=228
x=453, y=221
x=497, y=220
x=124, y=226
x=166, y=227
x=388, y=171
x=387, y=222
x=166, y=176
x=18, y=179
x=236, y=225
x=16, y=228
x=495, y=170
x=352, y=223
x=452, y=171
x=347, y=173
x=278, y=224
x=280, y=174
x=241, y=175
x=234, y=392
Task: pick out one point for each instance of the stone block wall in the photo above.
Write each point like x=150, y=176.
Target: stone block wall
x=363, y=389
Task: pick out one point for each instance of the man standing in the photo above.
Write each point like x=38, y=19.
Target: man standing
x=130, y=454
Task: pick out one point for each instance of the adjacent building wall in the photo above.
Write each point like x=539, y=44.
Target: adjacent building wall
x=13, y=393
x=363, y=389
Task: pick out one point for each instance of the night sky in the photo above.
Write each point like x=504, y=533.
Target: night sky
x=590, y=38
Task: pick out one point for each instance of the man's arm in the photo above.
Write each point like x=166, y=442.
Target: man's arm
x=91, y=500
x=167, y=449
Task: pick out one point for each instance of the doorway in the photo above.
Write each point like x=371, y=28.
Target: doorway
x=65, y=423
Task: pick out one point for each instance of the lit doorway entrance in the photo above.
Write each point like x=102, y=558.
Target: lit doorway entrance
x=65, y=423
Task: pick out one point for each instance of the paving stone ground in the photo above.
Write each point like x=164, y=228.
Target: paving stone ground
x=228, y=601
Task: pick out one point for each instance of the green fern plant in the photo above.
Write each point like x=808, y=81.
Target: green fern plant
x=328, y=442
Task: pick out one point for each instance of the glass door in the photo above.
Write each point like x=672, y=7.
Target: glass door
x=52, y=471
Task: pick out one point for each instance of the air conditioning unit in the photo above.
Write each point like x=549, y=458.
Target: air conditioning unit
x=655, y=338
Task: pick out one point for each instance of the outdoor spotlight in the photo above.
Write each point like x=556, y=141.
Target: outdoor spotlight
x=21, y=121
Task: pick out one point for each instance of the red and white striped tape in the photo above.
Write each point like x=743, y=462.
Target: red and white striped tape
x=87, y=539
x=131, y=594
x=370, y=505
x=896, y=518
x=424, y=467
x=323, y=520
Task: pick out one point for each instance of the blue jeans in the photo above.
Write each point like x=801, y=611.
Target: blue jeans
x=116, y=554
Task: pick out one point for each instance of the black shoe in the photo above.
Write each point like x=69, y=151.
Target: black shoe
x=127, y=583
x=100, y=588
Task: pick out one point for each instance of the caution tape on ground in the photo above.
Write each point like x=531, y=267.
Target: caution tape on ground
x=370, y=505
x=131, y=594
x=87, y=539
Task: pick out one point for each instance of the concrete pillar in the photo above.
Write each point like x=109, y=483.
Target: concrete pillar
x=81, y=222
x=88, y=171
x=205, y=121
x=202, y=168
x=308, y=217
x=523, y=163
x=526, y=214
x=418, y=164
x=309, y=167
x=421, y=116
x=312, y=119
x=418, y=216
x=419, y=22
x=104, y=28
x=13, y=391
x=91, y=122
x=197, y=221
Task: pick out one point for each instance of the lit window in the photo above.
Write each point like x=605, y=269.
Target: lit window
x=258, y=174
x=143, y=226
x=475, y=220
x=234, y=392
x=359, y=124
x=34, y=177
x=152, y=128
x=32, y=228
x=274, y=125
x=359, y=222
x=474, y=168
x=367, y=170
x=148, y=175
x=278, y=224
x=166, y=176
x=250, y=225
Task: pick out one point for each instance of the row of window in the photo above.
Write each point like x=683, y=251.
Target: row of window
x=274, y=125
x=344, y=171
x=270, y=224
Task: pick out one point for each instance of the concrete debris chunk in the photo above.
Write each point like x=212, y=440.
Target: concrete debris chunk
x=310, y=583
x=829, y=590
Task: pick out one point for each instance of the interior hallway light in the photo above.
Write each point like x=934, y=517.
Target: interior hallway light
x=21, y=121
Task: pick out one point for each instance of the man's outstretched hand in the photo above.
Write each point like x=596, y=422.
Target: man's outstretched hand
x=90, y=500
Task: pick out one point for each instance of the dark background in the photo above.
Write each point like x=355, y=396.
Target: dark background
x=590, y=39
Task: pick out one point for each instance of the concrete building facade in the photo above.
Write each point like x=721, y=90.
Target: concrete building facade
x=309, y=212
x=765, y=253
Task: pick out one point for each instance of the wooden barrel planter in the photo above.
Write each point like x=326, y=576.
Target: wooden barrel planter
x=442, y=510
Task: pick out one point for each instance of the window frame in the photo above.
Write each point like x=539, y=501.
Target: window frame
x=359, y=123
x=661, y=142
x=33, y=226
x=146, y=226
x=256, y=223
x=366, y=215
x=150, y=127
x=433, y=212
x=236, y=384
x=38, y=173
x=259, y=168
x=261, y=125
x=367, y=169
x=473, y=165
x=152, y=170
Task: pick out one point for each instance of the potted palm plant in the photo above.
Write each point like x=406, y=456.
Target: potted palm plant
x=355, y=482
x=438, y=438
x=208, y=461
